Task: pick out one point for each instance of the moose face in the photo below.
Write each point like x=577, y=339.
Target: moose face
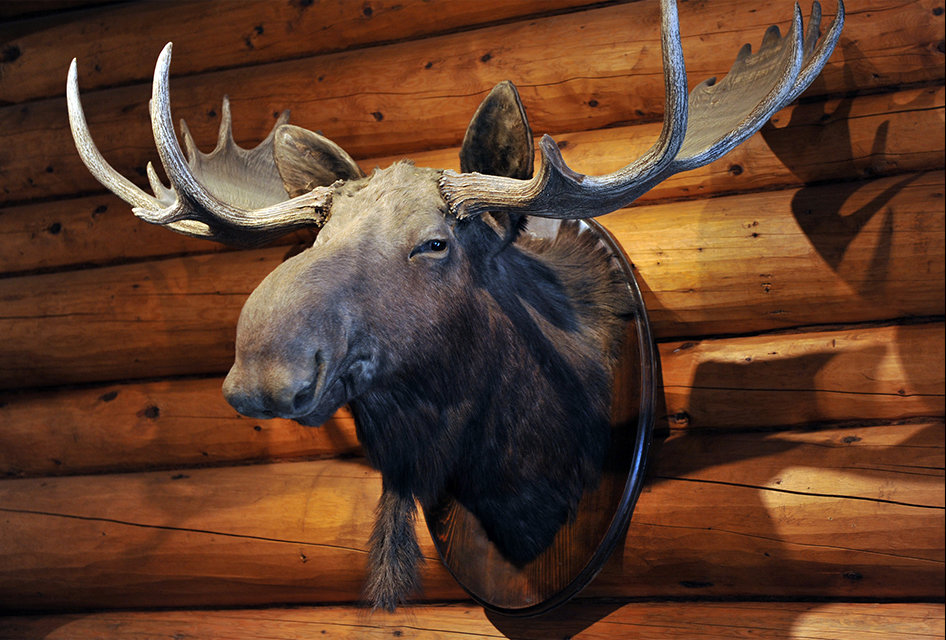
x=371, y=293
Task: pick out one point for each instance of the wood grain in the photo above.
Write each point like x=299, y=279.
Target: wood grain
x=162, y=424
x=254, y=32
x=580, y=620
x=22, y=9
x=816, y=255
x=811, y=507
x=127, y=322
x=793, y=379
x=93, y=231
x=861, y=373
x=419, y=95
x=841, y=139
x=840, y=253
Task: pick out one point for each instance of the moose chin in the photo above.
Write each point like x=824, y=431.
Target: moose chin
x=476, y=358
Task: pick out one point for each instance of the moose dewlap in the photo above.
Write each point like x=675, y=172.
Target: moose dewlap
x=476, y=359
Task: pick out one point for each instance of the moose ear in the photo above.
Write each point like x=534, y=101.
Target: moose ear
x=499, y=141
x=305, y=160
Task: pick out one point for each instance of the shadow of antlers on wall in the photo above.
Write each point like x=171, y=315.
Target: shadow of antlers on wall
x=833, y=220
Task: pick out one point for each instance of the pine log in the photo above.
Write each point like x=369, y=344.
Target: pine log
x=842, y=253
x=844, y=139
x=861, y=373
x=807, y=514
x=116, y=45
x=151, y=319
x=795, y=379
x=816, y=255
x=582, y=619
x=93, y=231
x=166, y=424
x=419, y=95
x=22, y=9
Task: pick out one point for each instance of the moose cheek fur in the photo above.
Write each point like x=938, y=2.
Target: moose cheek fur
x=483, y=373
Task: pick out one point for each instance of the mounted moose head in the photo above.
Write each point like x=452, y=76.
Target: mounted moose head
x=475, y=358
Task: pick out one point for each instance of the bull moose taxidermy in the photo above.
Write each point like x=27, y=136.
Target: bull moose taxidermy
x=477, y=358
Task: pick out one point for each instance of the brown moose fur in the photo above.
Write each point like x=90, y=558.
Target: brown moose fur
x=482, y=370
x=476, y=359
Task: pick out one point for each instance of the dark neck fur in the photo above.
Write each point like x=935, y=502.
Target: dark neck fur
x=516, y=447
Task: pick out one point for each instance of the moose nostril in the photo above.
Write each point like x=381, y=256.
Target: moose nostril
x=303, y=397
x=246, y=402
x=248, y=405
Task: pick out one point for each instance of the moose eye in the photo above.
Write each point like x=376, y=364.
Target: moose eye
x=433, y=247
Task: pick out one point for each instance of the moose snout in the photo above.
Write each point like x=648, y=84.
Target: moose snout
x=270, y=393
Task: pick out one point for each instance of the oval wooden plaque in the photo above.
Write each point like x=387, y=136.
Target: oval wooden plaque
x=582, y=546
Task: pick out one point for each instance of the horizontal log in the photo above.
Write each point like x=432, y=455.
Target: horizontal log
x=418, y=95
x=884, y=373
x=857, y=374
x=581, y=619
x=813, y=508
x=115, y=45
x=19, y=10
x=93, y=231
x=816, y=255
x=841, y=253
x=126, y=322
x=176, y=423
x=861, y=458
x=844, y=139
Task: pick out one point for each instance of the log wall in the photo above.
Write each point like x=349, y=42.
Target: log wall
x=795, y=288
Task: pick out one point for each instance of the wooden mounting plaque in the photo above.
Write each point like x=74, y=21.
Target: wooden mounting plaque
x=582, y=546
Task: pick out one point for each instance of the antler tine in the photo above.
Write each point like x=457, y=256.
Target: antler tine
x=724, y=114
x=96, y=164
x=195, y=202
x=193, y=199
x=188, y=207
x=104, y=172
x=225, y=133
x=719, y=117
x=557, y=191
x=817, y=49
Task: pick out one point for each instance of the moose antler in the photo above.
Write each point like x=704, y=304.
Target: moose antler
x=231, y=194
x=719, y=117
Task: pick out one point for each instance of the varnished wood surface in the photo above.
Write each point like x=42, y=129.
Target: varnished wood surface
x=851, y=138
x=768, y=260
x=418, y=95
x=780, y=259
x=890, y=372
x=161, y=424
x=586, y=620
x=254, y=32
x=847, y=375
x=25, y=9
x=813, y=507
